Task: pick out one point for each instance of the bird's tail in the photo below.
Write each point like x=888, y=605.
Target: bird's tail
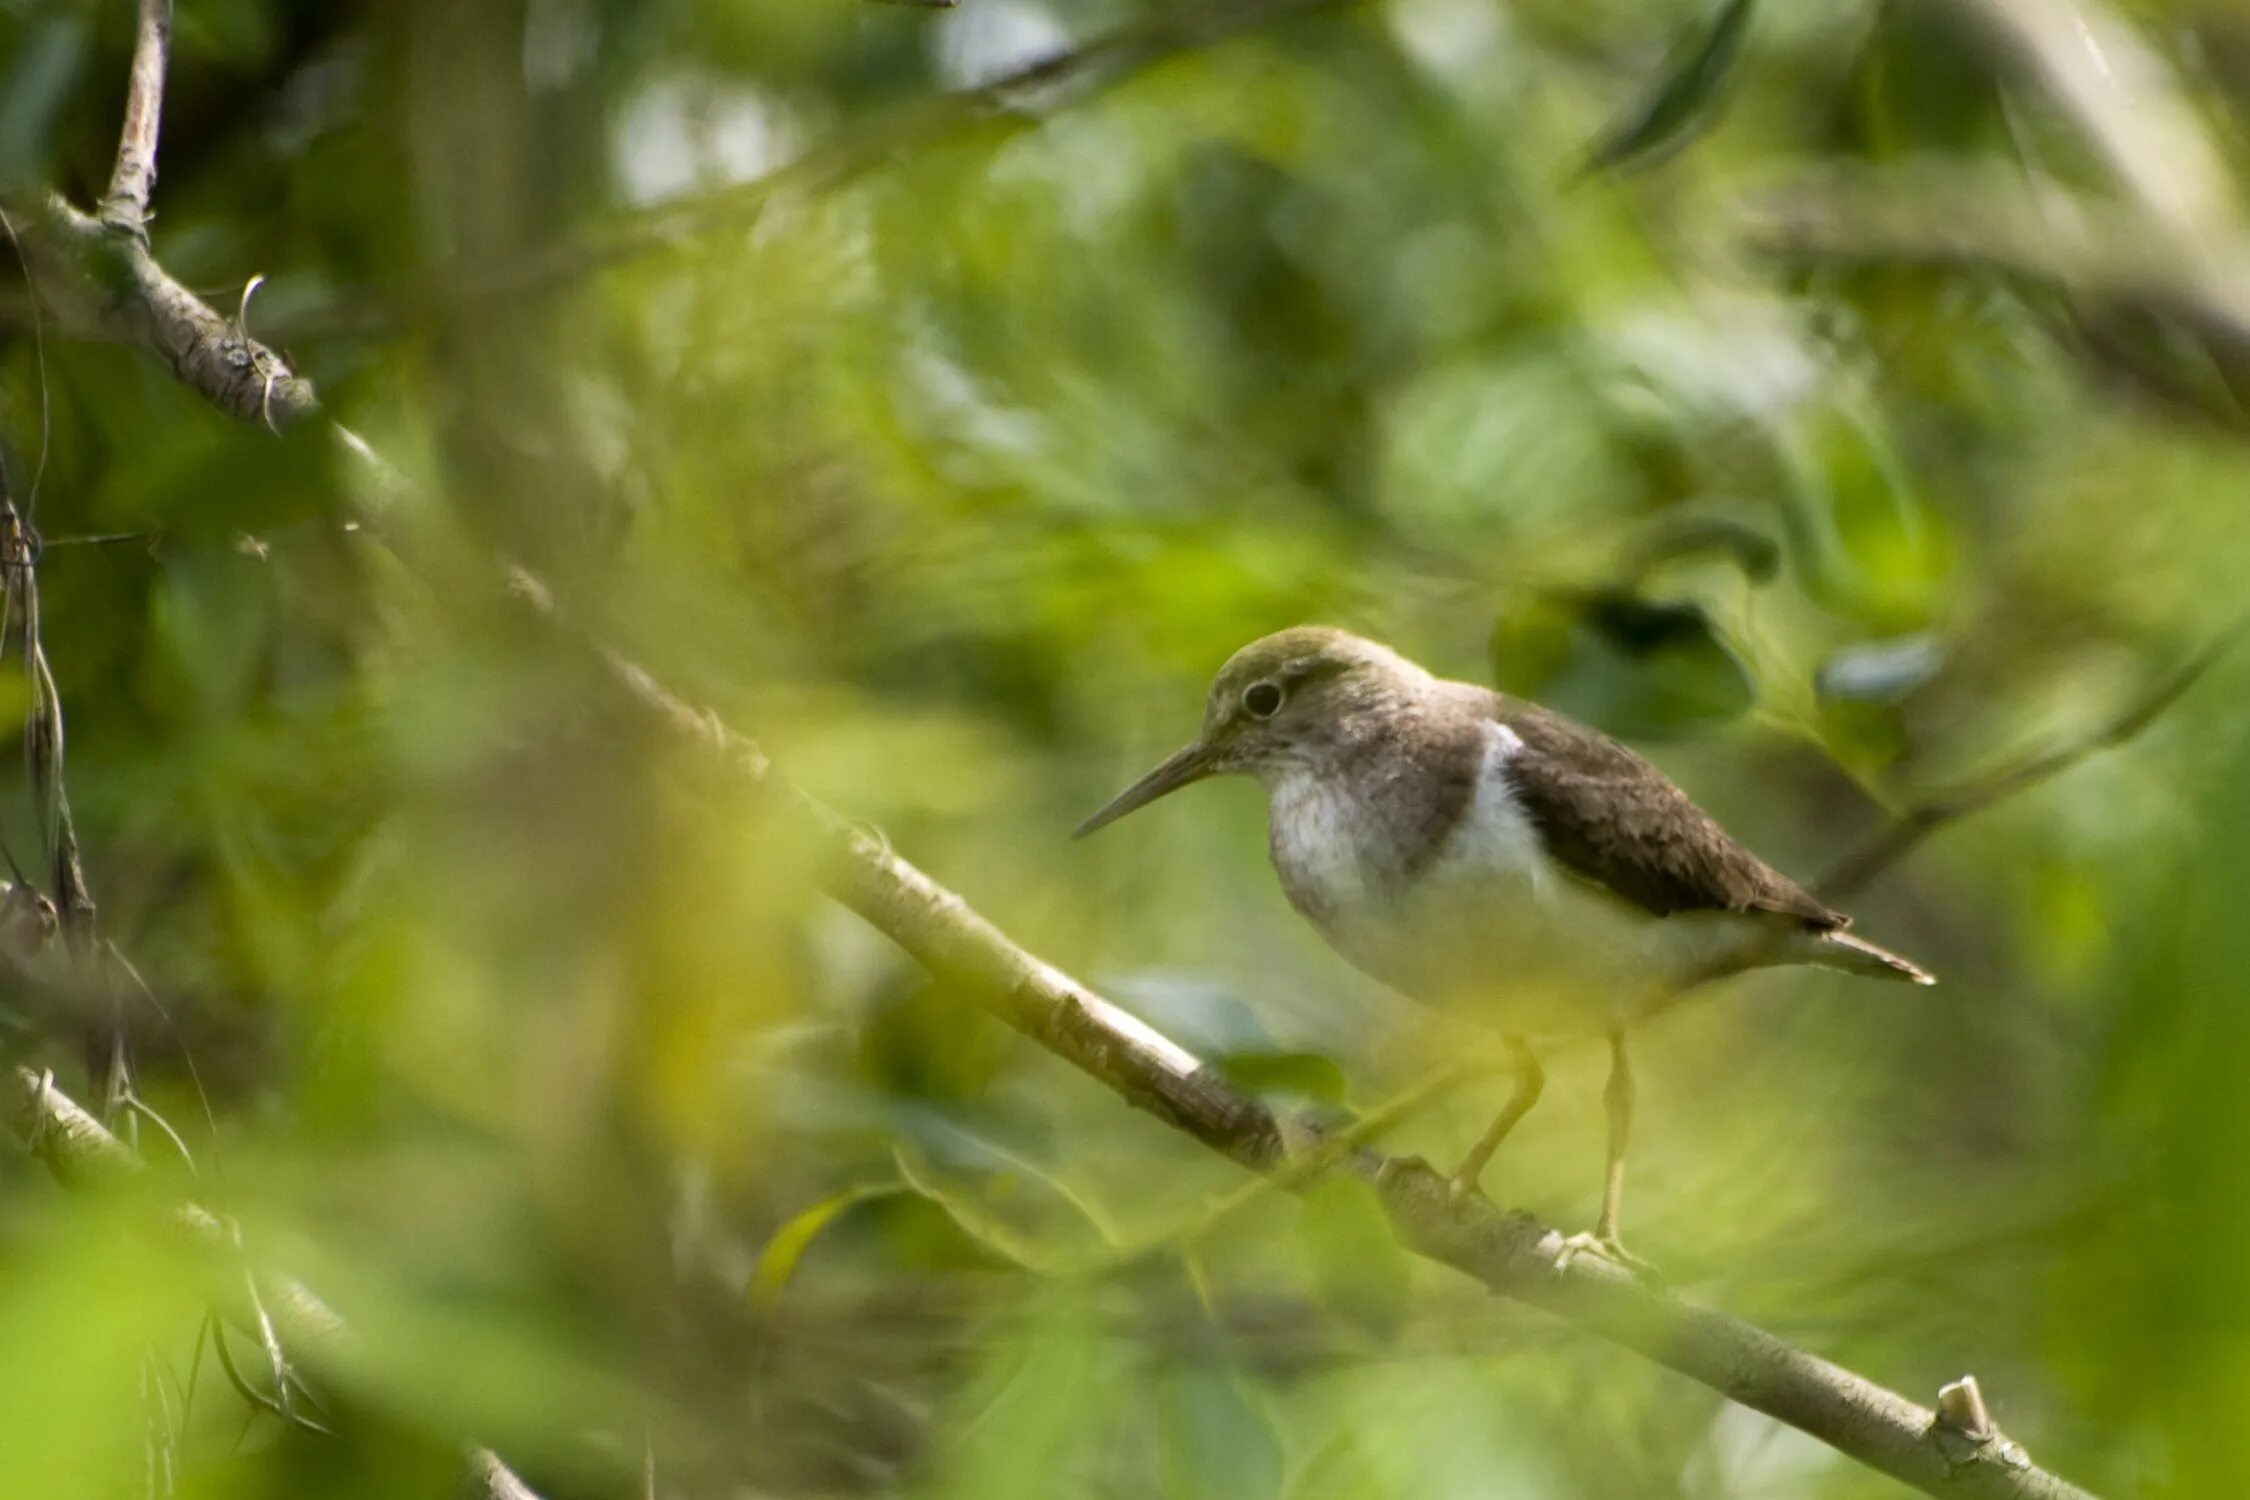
x=1840, y=950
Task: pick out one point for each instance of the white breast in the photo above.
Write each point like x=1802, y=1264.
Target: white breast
x=1323, y=845
x=1489, y=927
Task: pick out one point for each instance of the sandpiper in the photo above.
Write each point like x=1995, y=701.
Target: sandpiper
x=1490, y=857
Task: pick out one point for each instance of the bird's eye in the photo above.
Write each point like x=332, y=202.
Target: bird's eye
x=1262, y=700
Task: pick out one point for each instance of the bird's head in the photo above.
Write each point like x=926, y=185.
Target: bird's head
x=1287, y=700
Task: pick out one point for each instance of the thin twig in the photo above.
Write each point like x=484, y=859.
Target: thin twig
x=97, y=281
x=1306, y=1166
x=82, y=1154
x=250, y=1394
x=39, y=366
x=125, y=205
x=108, y=1061
x=1926, y=817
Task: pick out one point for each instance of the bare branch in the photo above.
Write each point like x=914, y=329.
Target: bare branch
x=110, y=286
x=125, y=206
x=274, y=1309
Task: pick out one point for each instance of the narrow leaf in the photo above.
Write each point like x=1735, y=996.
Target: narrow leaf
x=779, y=1260
x=1685, y=101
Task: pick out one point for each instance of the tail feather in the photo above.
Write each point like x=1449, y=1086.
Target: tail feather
x=1840, y=950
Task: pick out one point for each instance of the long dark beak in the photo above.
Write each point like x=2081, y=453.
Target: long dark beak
x=1182, y=767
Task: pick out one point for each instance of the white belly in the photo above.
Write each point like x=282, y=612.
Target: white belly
x=1490, y=929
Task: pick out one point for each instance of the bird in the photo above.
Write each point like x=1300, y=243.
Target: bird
x=1482, y=855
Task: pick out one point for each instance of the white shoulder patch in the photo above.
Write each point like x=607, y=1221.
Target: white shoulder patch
x=1496, y=835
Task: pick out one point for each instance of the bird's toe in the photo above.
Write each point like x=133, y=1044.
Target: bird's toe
x=1605, y=1247
x=1462, y=1186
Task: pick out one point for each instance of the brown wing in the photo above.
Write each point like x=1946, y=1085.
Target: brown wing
x=1610, y=817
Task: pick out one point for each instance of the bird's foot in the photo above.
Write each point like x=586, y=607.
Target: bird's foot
x=1605, y=1246
x=1464, y=1185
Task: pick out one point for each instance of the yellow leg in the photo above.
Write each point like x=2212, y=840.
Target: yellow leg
x=1618, y=1095
x=1530, y=1079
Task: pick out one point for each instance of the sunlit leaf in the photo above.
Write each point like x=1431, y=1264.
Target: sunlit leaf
x=777, y=1262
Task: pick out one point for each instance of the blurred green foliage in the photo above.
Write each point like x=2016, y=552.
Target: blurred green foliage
x=951, y=464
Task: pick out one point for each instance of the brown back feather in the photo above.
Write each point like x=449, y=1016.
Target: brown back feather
x=1610, y=817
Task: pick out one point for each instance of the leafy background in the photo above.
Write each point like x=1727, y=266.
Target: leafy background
x=1822, y=396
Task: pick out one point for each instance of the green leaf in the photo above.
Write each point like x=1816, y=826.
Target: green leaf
x=1306, y=1074
x=780, y=1258
x=979, y=1207
x=1358, y=1267
x=1687, y=98
x=1636, y=667
x=37, y=83
x=1215, y=1439
x=1041, y=1402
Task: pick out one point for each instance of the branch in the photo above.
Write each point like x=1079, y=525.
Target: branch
x=82, y=1154
x=105, y=283
x=1926, y=817
x=125, y=206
